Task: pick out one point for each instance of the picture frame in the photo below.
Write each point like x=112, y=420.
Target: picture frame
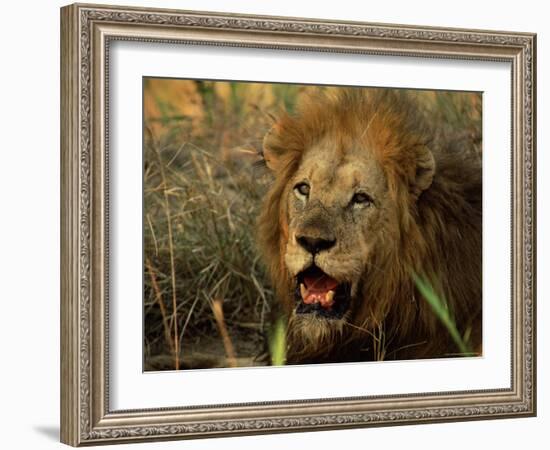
x=87, y=34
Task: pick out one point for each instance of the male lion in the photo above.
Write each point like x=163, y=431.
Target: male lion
x=363, y=203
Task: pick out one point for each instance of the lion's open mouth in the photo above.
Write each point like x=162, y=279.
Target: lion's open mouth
x=319, y=293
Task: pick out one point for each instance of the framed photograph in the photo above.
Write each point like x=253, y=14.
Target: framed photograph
x=275, y=225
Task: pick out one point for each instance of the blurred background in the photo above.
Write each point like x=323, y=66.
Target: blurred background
x=207, y=301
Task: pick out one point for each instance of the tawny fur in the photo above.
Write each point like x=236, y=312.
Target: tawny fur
x=432, y=228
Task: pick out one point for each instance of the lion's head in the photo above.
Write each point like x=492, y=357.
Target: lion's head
x=339, y=226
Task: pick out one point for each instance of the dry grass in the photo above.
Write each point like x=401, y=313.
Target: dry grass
x=217, y=309
x=202, y=192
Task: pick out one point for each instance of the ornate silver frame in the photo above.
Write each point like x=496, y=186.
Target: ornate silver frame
x=86, y=31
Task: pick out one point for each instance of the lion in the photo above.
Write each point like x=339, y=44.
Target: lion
x=365, y=201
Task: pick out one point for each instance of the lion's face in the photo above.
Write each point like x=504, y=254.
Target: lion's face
x=337, y=211
x=348, y=170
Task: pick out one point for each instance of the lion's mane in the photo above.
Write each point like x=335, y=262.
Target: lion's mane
x=438, y=229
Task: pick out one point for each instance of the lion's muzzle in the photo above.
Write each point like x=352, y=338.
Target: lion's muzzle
x=319, y=293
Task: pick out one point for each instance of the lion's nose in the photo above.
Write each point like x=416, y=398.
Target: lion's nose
x=315, y=244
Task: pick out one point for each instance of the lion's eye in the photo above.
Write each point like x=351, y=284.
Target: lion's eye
x=360, y=198
x=302, y=189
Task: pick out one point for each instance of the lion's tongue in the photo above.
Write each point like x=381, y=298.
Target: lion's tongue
x=320, y=283
x=319, y=289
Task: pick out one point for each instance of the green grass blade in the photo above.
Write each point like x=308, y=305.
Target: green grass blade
x=277, y=343
x=442, y=312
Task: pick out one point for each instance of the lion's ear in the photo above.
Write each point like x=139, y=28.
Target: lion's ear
x=272, y=149
x=425, y=170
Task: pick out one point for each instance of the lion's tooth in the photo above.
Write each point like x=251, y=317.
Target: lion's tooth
x=330, y=296
x=303, y=290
